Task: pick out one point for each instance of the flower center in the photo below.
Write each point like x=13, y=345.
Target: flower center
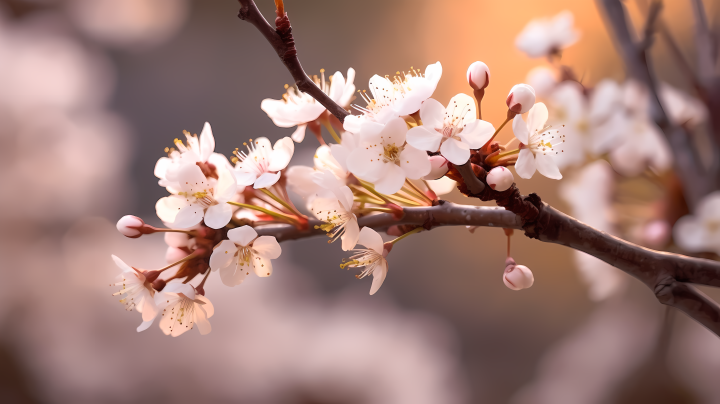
x=334, y=225
x=391, y=153
x=245, y=255
x=256, y=159
x=546, y=142
x=365, y=258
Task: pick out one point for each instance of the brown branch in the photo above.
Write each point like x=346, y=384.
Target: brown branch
x=696, y=181
x=281, y=39
x=663, y=273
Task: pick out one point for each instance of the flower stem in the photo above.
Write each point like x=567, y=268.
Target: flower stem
x=418, y=191
x=416, y=230
x=188, y=258
x=508, y=119
x=279, y=200
x=494, y=159
x=278, y=215
x=328, y=126
x=372, y=190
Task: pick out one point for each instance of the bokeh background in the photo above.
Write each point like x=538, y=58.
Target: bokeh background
x=92, y=91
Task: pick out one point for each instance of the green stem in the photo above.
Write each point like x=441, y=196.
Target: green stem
x=416, y=230
x=372, y=190
x=418, y=191
x=280, y=201
x=330, y=129
x=278, y=215
x=498, y=131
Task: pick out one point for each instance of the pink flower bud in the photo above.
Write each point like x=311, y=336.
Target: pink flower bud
x=521, y=98
x=438, y=168
x=478, y=75
x=175, y=254
x=500, y=179
x=517, y=277
x=130, y=226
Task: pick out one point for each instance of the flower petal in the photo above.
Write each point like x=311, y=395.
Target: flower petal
x=266, y=180
x=245, y=178
x=432, y=114
x=455, y=151
x=145, y=325
x=351, y=235
x=282, y=153
x=537, y=117
x=188, y=216
x=345, y=195
x=191, y=178
x=415, y=163
x=394, y=132
x=168, y=207
x=461, y=110
x=207, y=142
x=222, y=255
x=545, y=164
x=217, y=216
x=233, y=275
x=299, y=133
x=520, y=129
x=226, y=186
x=267, y=247
x=424, y=138
x=365, y=162
x=379, y=275
x=263, y=266
x=477, y=133
x=392, y=181
x=371, y=239
x=207, y=305
x=200, y=319
x=525, y=165
x=242, y=236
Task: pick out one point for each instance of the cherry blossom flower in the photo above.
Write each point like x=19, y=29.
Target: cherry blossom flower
x=242, y=252
x=198, y=150
x=520, y=99
x=137, y=293
x=700, y=232
x=182, y=309
x=298, y=109
x=261, y=165
x=478, y=75
x=339, y=220
x=543, y=80
x=442, y=186
x=500, y=179
x=538, y=144
x=199, y=198
x=130, y=226
x=517, y=277
x=453, y=130
x=543, y=37
x=438, y=168
x=384, y=158
x=371, y=258
x=390, y=99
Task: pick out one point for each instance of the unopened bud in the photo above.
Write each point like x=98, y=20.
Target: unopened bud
x=130, y=226
x=438, y=168
x=387, y=247
x=478, y=75
x=517, y=277
x=159, y=284
x=175, y=254
x=500, y=179
x=521, y=98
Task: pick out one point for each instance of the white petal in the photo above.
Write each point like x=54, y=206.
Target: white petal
x=537, y=117
x=263, y=266
x=161, y=166
x=337, y=85
x=365, y=162
x=370, y=132
x=243, y=235
x=345, y=195
x=379, y=275
x=299, y=133
x=371, y=239
x=352, y=123
x=351, y=235
x=191, y=178
x=168, y=207
x=520, y=129
x=201, y=321
x=266, y=180
x=392, y=181
x=245, y=178
x=300, y=180
x=394, y=132
x=455, y=151
x=442, y=186
x=545, y=164
x=222, y=255
x=235, y=274
x=226, y=186
x=207, y=306
x=424, y=138
x=432, y=114
x=525, y=165
x=207, y=142
x=281, y=154
x=149, y=310
x=267, y=247
x=414, y=162
x=477, y=133
x=461, y=110
x=217, y=216
x=382, y=89
x=145, y=325
x=188, y=216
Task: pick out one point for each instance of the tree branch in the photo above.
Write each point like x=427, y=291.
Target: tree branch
x=662, y=272
x=282, y=41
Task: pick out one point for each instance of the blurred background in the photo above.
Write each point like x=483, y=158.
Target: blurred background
x=92, y=91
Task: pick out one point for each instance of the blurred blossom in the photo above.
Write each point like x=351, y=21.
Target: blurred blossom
x=589, y=194
x=589, y=364
x=546, y=36
x=129, y=23
x=543, y=80
x=701, y=232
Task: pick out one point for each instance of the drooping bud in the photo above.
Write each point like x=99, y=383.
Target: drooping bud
x=521, y=98
x=130, y=226
x=159, y=284
x=517, y=277
x=478, y=75
x=438, y=168
x=500, y=179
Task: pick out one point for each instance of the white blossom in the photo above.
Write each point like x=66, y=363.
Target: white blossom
x=297, y=108
x=542, y=37
x=242, y=252
x=181, y=309
x=390, y=99
x=453, y=130
x=371, y=258
x=136, y=293
x=478, y=75
x=199, y=198
x=339, y=220
x=700, y=232
x=520, y=98
x=538, y=144
x=261, y=165
x=384, y=158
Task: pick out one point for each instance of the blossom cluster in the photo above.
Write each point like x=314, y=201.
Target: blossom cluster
x=398, y=151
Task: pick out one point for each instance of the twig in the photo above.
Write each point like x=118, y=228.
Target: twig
x=282, y=41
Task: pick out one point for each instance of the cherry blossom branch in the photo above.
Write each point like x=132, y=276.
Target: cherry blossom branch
x=281, y=39
x=697, y=182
